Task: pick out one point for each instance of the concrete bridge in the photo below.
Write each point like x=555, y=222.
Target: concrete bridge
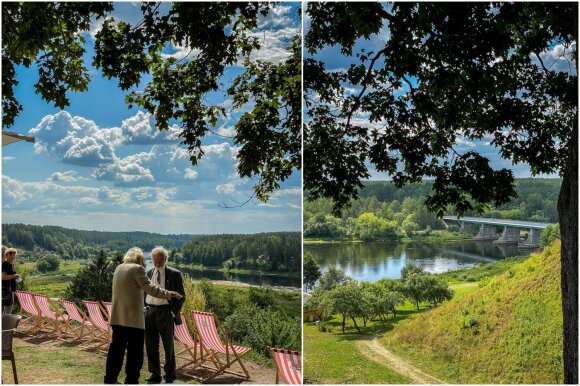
x=486, y=229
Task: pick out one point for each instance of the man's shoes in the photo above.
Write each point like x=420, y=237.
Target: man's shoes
x=169, y=380
x=153, y=380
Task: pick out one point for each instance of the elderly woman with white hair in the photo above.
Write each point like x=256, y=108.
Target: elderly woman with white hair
x=130, y=283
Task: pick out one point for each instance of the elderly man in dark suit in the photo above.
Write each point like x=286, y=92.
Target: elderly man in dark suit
x=130, y=283
x=160, y=316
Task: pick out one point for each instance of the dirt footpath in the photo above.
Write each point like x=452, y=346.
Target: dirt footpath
x=376, y=352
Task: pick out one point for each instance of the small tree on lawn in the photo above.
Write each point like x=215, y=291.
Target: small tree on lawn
x=311, y=271
x=436, y=290
x=344, y=300
x=410, y=268
x=333, y=277
x=94, y=281
x=391, y=295
x=415, y=288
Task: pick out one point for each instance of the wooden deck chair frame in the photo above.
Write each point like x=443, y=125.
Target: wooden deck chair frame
x=53, y=318
x=28, y=305
x=85, y=327
x=100, y=334
x=106, y=307
x=191, y=344
x=288, y=376
x=208, y=353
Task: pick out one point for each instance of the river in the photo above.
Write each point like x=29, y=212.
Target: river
x=277, y=281
x=373, y=261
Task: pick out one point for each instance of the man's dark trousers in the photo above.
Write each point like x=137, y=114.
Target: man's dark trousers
x=159, y=323
x=131, y=339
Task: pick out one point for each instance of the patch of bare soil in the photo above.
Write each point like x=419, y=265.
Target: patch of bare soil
x=372, y=349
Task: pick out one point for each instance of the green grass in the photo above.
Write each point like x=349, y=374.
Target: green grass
x=52, y=284
x=506, y=330
x=42, y=361
x=333, y=357
x=482, y=271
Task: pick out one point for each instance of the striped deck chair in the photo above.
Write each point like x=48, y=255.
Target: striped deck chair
x=52, y=319
x=85, y=327
x=206, y=327
x=101, y=329
x=288, y=366
x=28, y=305
x=181, y=334
x=107, y=309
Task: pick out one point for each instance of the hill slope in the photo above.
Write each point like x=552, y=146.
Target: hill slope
x=507, y=331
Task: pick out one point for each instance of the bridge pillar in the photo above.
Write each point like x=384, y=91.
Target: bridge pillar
x=486, y=232
x=510, y=235
x=533, y=239
x=467, y=227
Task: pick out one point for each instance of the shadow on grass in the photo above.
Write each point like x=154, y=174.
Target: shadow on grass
x=373, y=328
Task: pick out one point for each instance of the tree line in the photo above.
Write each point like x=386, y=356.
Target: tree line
x=384, y=211
x=269, y=252
x=272, y=252
x=336, y=293
x=80, y=244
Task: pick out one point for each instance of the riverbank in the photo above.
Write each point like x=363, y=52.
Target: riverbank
x=54, y=284
x=433, y=236
x=201, y=268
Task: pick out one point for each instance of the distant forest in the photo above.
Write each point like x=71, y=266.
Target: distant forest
x=536, y=198
x=385, y=212
x=280, y=251
x=273, y=252
x=74, y=243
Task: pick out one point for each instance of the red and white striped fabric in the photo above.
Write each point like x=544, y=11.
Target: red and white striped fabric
x=108, y=307
x=44, y=307
x=182, y=334
x=95, y=315
x=26, y=301
x=72, y=311
x=289, y=365
x=205, y=324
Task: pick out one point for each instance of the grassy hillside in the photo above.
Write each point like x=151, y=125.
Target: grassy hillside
x=507, y=331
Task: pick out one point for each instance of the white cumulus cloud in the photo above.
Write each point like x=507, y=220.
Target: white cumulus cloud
x=68, y=176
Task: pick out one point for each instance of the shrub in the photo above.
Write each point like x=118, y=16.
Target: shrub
x=261, y=297
x=48, y=263
x=262, y=328
x=323, y=326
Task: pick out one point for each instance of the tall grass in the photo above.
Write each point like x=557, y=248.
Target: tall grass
x=507, y=331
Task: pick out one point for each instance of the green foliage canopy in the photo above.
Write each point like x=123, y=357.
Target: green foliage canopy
x=311, y=271
x=52, y=37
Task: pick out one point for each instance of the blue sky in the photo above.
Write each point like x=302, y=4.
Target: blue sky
x=98, y=165
x=557, y=58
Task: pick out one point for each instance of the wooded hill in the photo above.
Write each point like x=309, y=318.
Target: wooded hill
x=75, y=243
x=279, y=251
x=507, y=331
x=272, y=252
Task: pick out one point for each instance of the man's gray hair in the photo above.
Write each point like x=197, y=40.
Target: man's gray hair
x=159, y=250
x=133, y=255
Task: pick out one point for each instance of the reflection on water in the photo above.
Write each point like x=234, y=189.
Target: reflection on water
x=250, y=278
x=373, y=261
